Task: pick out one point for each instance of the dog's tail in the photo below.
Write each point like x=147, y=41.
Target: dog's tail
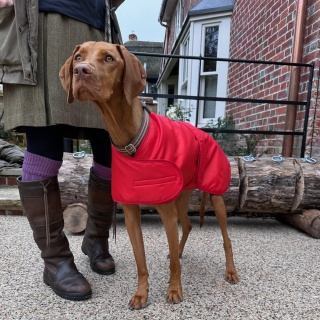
x=203, y=207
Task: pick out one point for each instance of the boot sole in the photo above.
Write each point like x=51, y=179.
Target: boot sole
x=65, y=295
x=104, y=272
x=100, y=271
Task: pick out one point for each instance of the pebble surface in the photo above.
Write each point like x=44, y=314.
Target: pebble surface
x=277, y=264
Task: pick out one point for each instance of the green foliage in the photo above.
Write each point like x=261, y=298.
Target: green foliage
x=251, y=142
x=226, y=123
x=178, y=112
x=231, y=143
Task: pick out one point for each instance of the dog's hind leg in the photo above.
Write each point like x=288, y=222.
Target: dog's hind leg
x=133, y=223
x=182, y=204
x=169, y=217
x=221, y=214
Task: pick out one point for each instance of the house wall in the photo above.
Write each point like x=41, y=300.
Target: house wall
x=188, y=81
x=186, y=6
x=264, y=30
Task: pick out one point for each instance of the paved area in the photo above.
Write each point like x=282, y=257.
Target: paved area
x=278, y=266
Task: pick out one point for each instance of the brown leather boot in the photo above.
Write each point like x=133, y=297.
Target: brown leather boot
x=42, y=205
x=100, y=217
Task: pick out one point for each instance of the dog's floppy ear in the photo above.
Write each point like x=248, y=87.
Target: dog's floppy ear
x=66, y=75
x=66, y=82
x=134, y=75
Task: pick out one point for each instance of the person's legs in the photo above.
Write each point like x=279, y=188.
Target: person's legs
x=40, y=196
x=44, y=154
x=101, y=149
x=100, y=205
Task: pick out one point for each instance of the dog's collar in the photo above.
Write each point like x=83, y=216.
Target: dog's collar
x=132, y=147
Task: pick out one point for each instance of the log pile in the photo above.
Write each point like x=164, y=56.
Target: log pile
x=290, y=188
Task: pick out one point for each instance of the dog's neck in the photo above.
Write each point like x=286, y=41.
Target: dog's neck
x=122, y=120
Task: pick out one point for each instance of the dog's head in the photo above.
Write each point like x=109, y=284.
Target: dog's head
x=98, y=69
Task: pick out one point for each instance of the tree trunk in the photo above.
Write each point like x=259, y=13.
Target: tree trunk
x=75, y=217
x=267, y=186
x=289, y=187
x=73, y=179
x=308, y=221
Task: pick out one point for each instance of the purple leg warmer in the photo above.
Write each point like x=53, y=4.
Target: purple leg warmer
x=101, y=171
x=36, y=167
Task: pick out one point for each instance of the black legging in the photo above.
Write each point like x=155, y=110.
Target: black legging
x=48, y=142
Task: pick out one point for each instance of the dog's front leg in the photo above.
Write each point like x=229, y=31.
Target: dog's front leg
x=169, y=216
x=133, y=223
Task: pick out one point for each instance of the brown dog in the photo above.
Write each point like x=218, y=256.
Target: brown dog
x=112, y=78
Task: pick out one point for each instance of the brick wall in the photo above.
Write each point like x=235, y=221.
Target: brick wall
x=312, y=54
x=8, y=180
x=186, y=6
x=9, y=212
x=264, y=30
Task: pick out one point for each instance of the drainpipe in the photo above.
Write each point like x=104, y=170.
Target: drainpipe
x=167, y=35
x=160, y=20
x=293, y=94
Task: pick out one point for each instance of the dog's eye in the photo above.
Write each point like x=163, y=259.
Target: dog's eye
x=108, y=59
x=78, y=57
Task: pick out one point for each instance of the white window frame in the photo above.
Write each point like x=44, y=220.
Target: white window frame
x=185, y=49
x=178, y=20
x=220, y=105
x=184, y=71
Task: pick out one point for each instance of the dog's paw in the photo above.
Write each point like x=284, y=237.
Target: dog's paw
x=174, y=295
x=138, y=301
x=232, y=275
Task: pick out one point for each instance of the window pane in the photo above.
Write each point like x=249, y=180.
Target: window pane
x=178, y=19
x=209, y=109
x=211, y=48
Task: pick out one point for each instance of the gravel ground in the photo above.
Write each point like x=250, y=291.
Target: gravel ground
x=278, y=267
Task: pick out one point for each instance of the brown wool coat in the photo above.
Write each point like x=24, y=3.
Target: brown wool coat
x=45, y=103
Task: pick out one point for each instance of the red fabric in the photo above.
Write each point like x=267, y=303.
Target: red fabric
x=173, y=156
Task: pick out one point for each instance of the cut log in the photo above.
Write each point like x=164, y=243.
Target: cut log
x=262, y=186
x=75, y=217
x=308, y=221
x=267, y=186
x=259, y=186
x=73, y=179
x=309, y=186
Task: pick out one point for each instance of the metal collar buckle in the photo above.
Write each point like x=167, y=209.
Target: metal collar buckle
x=130, y=148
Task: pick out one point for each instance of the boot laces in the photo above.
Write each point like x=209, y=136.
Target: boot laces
x=46, y=212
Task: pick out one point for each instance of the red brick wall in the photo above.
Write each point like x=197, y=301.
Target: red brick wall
x=312, y=54
x=7, y=212
x=186, y=6
x=264, y=30
x=8, y=181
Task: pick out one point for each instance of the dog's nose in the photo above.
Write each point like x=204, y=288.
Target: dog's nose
x=82, y=70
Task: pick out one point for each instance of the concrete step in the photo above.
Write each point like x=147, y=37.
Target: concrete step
x=9, y=198
x=10, y=203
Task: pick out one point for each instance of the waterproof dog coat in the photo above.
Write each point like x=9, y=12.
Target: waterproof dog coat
x=172, y=157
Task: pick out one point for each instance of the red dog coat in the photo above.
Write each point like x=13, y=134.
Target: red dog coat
x=172, y=157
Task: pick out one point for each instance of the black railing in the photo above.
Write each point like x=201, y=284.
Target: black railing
x=198, y=97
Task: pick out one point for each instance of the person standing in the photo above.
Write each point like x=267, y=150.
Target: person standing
x=36, y=37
